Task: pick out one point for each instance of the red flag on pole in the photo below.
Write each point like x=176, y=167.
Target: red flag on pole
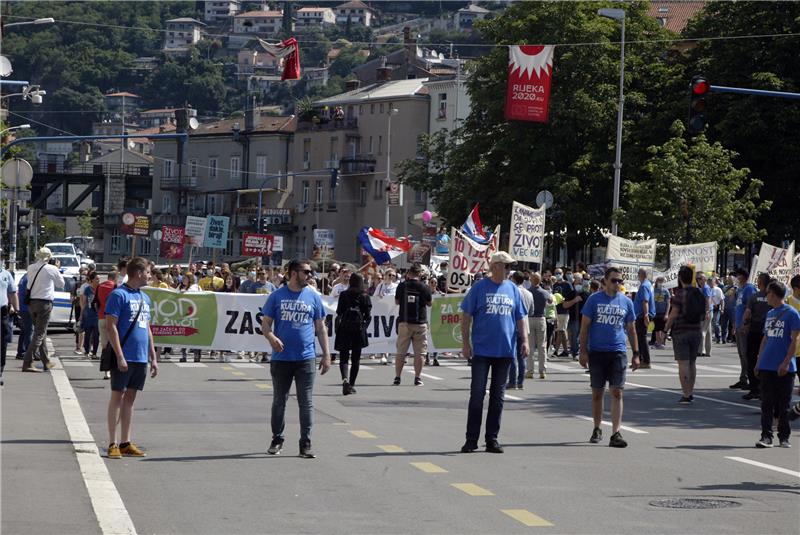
x=288, y=52
x=530, y=68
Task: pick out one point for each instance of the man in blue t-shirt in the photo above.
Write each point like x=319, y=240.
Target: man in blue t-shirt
x=776, y=365
x=493, y=308
x=607, y=317
x=291, y=317
x=644, y=307
x=127, y=315
x=744, y=291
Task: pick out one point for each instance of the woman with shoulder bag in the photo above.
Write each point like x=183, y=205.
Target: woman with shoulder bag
x=352, y=316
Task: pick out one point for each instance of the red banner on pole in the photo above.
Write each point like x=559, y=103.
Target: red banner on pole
x=257, y=244
x=530, y=68
x=171, y=245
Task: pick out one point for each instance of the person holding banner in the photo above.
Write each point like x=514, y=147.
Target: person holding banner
x=645, y=307
x=607, y=317
x=296, y=313
x=353, y=313
x=495, y=305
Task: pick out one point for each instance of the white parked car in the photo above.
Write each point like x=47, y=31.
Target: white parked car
x=62, y=305
x=61, y=248
x=70, y=265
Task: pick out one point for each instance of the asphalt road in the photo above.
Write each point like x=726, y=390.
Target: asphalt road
x=387, y=457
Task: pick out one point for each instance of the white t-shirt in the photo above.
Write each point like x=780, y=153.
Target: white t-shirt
x=48, y=280
x=338, y=289
x=717, y=297
x=386, y=289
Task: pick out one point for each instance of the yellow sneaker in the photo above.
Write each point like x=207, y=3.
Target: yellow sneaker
x=542, y=376
x=132, y=451
x=113, y=452
x=529, y=375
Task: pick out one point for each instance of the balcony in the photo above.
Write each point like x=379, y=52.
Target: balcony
x=245, y=219
x=178, y=183
x=89, y=168
x=360, y=164
x=327, y=125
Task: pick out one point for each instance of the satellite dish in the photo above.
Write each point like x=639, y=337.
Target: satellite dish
x=193, y=123
x=5, y=66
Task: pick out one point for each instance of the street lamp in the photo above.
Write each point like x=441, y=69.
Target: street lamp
x=617, y=14
x=392, y=111
x=29, y=92
x=46, y=20
x=20, y=127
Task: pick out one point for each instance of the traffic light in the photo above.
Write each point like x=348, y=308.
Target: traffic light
x=22, y=226
x=698, y=90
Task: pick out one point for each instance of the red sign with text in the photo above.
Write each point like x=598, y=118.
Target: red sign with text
x=530, y=68
x=257, y=244
x=171, y=245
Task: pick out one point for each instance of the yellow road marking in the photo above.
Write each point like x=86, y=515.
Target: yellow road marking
x=472, y=489
x=340, y=423
x=526, y=517
x=227, y=368
x=389, y=448
x=262, y=385
x=238, y=373
x=429, y=468
x=362, y=434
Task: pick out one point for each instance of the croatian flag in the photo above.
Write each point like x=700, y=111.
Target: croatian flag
x=382, y=247
x=474, y=230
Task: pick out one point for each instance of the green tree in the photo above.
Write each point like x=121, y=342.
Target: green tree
x=692, y=192
x=51, y=230
x=86, y=222
x=495, y=161
x=763, y=130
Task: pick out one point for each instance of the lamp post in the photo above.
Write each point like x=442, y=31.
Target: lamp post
x=617, y=14
x=36, y=22
x=392, y=111
x=20, y=127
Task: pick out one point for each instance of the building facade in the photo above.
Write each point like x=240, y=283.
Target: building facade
x=315, y=16
x=356, y=12
x=181, y=34
x=216, y=11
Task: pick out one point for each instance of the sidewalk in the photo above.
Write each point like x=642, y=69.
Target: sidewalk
x=42, y=489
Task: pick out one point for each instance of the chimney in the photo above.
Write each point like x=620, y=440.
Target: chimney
x=383, y=73
x=352, y=85
x=251, y=117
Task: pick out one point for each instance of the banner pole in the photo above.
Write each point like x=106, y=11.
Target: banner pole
x=133, y=246
x=191, y=253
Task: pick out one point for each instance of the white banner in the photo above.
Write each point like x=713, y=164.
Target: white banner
x=468, y=258
x=195, y=230
x=776, y=261
x=670, y=276
x=232, y=321
x=527, y=233
x=796, y=264
x=703, y=256
x=629, y=256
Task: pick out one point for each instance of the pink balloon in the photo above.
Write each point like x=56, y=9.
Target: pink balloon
x=427, y=216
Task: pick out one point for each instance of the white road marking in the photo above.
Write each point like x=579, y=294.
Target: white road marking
x=674, y=374
x=191, y=365
x=563, y=368
x=112, y=516
x=765, y=465
x=715, y=400
x=427, y=375
x=712, y=368
x=510, y=397
x=623, y=427
x=77, y=363
x=246, y=365
x=462, y=368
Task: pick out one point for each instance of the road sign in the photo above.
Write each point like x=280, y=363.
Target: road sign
x=544, y=198
x=157, y=235
x=17, y=173
x=22, y=194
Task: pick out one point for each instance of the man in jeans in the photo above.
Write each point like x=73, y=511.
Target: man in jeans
x=516, y=372
x=127, y=315
x=705, y=344
x=754, y=318
x=413, y=297
x=744, y=291
x=43, y=279
x=538, y=325
x=9, y=305
x=644, y=305
x=491, y=342
x=292, y=315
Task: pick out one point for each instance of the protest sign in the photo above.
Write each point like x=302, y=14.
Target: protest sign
x=468, y=258
x=195, y=230
x=527, y=233
x=135, y=224
x=324, y=244
x=703, y=256
x=216, y=235
x=257, y=244
x=776, y=261
x=421, y=253
x=629, y=256
x=171, y=245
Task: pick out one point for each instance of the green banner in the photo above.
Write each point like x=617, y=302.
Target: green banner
x=446, y=323
x=183, y=318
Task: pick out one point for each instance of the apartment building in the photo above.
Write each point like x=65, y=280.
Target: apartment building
x=315, y=16
x=253, y=24
x=357, y=12
x=216, y=11
x=181, y=34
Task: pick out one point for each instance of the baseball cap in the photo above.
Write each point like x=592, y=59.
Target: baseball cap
x=501, y=257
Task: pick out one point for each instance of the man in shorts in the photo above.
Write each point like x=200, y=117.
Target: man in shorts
x=687, y=335
x=127, y=315
x=413, y=297
x=607, y=317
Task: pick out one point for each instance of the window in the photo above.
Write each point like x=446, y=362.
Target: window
x=334, y=148
x=193, y=168
x=442, y=106
x=362, y=194
x=332, y=197
x=261, y=167
x=319, y=192
x=235, y=169
x=116, y=241
x=379, y=189
x=306, y=150
x=166, y=204
x=361, y=109
x=212, y=168
x=305, y=191
x=167, y=169
x=380, y=144
x=381, y=107
x=370, y=145
x=191, y=204
x=211, y=204
x=419, y=197
x=372, y=109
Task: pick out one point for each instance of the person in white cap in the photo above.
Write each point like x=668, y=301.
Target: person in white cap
x=43, y=279
x=491, y=340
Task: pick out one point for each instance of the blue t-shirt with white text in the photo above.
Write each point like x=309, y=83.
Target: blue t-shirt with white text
x=609, y=316
x=293, y=315
x=742, y=297
x=495, y=310
x=781, y=322
x=645, y=293
x=123, y=304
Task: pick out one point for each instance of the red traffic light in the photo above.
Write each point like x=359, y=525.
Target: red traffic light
x=700, y=86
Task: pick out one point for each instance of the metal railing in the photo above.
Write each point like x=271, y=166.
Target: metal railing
x=349, y=123
x=357, y=164
x=174, y=182
x=89, y=168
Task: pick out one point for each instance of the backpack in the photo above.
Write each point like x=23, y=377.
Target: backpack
x=352, y=319
x=694, y=305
